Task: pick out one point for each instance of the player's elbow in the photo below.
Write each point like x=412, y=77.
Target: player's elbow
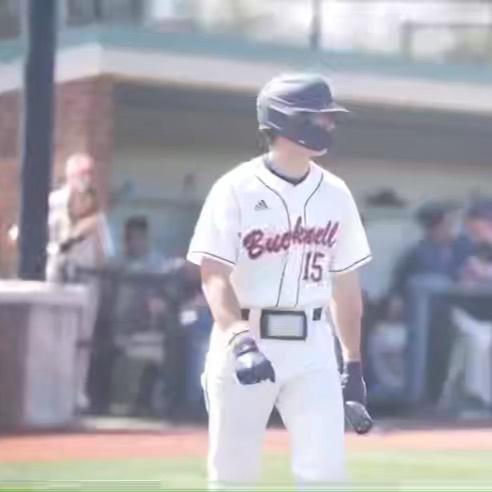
x=347, y=295
x=212, y=269
x=215, y=278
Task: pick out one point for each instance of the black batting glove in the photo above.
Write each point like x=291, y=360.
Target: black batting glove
x=355, y=398
x=353, y=384
x=251, y=365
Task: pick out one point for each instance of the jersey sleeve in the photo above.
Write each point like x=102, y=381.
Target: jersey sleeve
x=216, y=233
x=352, y=248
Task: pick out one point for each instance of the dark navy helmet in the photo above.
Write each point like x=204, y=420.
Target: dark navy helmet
x=290, y=104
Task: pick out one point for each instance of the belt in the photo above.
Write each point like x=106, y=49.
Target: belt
x=317, y=313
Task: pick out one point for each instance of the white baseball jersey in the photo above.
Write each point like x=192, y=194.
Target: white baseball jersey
x=284, y=241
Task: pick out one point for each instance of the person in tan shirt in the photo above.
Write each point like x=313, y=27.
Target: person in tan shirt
x=81, y=240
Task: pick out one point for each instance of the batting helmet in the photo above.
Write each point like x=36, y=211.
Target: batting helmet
x=289, y=104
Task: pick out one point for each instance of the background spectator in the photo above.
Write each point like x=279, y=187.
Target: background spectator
x=81, y=241
x=474, y=246
x=145, y=314
x=474, y=253
x=79, y=175
x=138, y=251
x=431, y=255
x=138, y=305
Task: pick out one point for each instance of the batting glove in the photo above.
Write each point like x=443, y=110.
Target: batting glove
x=251, y=365
x=353, y=384
x=355, y=397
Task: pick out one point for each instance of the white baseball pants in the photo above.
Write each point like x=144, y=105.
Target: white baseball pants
x=311, y=407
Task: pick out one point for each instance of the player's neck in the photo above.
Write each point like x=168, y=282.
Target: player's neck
x=293, y=166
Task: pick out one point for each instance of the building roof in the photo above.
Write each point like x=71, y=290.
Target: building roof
x=232, y=63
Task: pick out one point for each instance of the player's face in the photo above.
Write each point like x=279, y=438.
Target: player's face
x=480, y=230
x=446, y=230
x=80, y=173
x=137, y=243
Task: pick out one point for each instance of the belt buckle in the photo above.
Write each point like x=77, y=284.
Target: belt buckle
x=294, y=325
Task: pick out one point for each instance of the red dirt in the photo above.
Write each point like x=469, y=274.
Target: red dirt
x=193, y=442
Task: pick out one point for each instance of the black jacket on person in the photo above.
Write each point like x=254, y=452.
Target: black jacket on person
x=425, y=257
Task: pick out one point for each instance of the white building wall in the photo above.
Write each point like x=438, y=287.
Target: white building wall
x=156, y=170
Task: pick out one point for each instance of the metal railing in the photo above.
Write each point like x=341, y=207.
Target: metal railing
x=431, y=334
x=145, y=356
x=405, y=29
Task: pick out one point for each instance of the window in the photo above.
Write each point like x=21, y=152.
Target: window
x=10, y=14
x=80, y=12
x=122, y=11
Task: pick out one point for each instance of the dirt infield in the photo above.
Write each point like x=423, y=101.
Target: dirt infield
x=193, y=442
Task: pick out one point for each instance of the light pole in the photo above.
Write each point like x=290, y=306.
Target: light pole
x=37, y=136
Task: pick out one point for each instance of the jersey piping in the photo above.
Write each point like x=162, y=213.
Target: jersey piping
x=206, y=253
x=358, y=262
x=304, y=245
x=281, y=283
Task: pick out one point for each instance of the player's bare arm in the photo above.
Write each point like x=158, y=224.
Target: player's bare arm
x=221, y=297
x=348, y=314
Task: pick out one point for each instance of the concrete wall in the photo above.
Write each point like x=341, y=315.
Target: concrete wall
x=161, y=169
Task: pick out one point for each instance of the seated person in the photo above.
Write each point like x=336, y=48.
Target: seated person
x=136, y=300
x=433, y=254
x=474, y=246
x=140, y=314
x=474, y=258
x=147, y=314
x=138, y=253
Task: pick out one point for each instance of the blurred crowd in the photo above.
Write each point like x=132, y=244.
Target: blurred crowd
x=147, y=324
x=458, y=250
x=452, y=257
x=142, y=306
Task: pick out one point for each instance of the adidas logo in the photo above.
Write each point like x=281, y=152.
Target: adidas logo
x=261, y=205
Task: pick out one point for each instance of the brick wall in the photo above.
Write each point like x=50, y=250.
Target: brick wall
x=9, y=179
x=83, y=123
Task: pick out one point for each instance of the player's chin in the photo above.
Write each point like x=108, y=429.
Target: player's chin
x=317, y=153
x=312, y=153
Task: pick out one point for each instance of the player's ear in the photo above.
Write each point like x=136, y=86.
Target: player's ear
x=266, y=138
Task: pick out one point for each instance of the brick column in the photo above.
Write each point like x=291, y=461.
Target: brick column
x=84, y=123
x=9, y=207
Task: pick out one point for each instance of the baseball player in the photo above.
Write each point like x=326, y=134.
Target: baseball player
x=278, y=238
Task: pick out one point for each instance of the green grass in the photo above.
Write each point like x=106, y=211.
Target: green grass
x=366, y=468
